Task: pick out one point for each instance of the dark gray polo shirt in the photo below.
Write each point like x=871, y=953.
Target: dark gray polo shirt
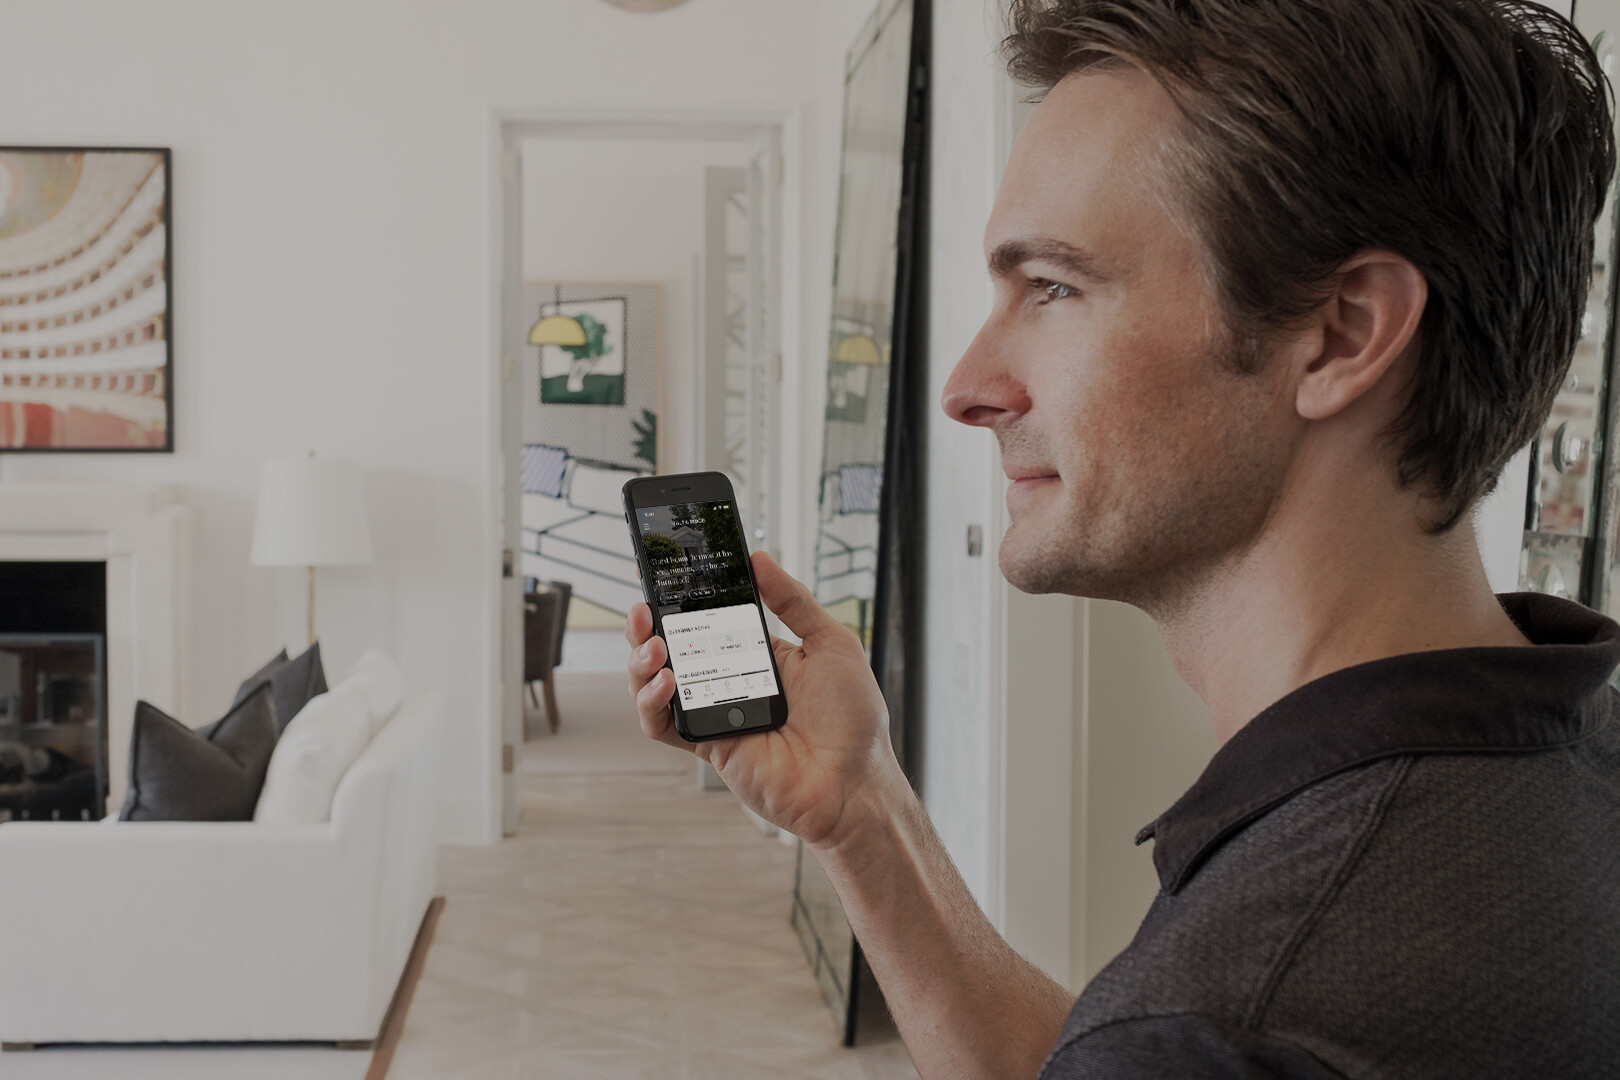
x=1409, y=868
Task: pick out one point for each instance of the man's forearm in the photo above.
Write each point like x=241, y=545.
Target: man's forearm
x=966, y=1004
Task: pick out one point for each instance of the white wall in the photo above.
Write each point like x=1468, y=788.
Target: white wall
x=1141, y=739
x=334, y=181
x=959, y=757
x=1499, y=524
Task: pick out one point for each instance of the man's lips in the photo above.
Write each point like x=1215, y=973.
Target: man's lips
x=1018, y=475
x=1026, y=481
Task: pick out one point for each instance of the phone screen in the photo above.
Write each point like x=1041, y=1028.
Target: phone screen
x=705, y=598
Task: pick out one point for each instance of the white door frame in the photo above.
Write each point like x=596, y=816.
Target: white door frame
x=503, y=621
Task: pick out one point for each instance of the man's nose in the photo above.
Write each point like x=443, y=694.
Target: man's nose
x=982, y=390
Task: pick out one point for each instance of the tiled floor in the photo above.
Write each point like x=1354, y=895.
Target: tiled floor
x=635, y=927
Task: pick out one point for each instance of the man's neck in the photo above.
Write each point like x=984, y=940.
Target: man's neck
x=1321, y=590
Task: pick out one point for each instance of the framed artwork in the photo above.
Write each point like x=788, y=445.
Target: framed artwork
x=590, y=372
x=86, y=362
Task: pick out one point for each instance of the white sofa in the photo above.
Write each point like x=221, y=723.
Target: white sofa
x=194, y=931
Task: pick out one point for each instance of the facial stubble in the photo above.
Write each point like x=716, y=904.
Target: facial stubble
x=1155, y=530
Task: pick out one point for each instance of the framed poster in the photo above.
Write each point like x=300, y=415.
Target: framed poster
x=85, y=309
x=590, y=372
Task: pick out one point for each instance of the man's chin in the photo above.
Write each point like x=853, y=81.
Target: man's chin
x=1028, y=567
x=1037, y=563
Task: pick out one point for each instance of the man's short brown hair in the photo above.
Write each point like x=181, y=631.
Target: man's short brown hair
x=1472, y=137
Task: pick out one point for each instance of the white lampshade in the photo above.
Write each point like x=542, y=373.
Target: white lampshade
x=312, y=512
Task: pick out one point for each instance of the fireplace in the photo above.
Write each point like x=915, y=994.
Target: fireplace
x=53, y=690
x=138, y=538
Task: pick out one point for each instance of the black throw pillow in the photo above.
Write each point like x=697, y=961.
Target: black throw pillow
x=292, y=683
x=212, y=774
x=252, y=682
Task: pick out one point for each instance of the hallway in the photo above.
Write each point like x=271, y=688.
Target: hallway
x=635, y=927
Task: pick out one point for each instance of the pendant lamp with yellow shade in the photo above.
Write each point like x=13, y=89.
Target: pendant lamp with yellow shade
x=860, y=349
x=557, y=329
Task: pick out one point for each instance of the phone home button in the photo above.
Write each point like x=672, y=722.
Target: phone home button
x=736, y=717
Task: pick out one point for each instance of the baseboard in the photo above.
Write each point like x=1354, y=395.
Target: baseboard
x=393, y=1025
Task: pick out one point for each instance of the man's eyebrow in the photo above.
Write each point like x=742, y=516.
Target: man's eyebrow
x=1011, y=254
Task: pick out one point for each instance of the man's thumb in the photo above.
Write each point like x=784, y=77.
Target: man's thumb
x=790, y=600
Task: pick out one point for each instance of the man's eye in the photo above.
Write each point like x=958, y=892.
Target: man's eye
x=1046, y=291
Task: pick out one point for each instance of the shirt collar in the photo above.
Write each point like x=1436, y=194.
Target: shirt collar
x=1479, y=700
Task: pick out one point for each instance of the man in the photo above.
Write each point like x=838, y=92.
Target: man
x=1280, y=286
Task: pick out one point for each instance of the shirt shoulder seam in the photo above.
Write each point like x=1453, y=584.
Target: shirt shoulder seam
x=1372, y=818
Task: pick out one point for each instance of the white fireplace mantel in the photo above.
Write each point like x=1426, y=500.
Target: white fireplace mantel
x=141, y=534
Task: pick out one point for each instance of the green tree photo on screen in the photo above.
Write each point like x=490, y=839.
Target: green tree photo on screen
x=722, y=533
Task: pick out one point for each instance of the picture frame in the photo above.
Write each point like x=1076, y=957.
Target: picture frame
x=86, y=300
x=594, y=373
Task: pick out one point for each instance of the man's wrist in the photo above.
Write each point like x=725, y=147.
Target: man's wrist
x=866, y=822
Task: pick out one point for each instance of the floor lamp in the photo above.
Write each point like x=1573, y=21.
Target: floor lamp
x=312, y=512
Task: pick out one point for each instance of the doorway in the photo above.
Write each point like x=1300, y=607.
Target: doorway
x=641, y=332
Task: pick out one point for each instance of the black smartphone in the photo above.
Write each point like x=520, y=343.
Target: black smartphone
x=695, y=573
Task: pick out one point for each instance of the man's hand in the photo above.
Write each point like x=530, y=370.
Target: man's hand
x=966, y=1003
x=834, y=751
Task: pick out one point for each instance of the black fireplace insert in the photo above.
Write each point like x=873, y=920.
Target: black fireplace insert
x=53, y=691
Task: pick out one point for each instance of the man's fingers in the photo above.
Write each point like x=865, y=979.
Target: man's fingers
x=790, y=600
x=647, y=660
x=652, y=706
x=651, y=684
x=638, y=627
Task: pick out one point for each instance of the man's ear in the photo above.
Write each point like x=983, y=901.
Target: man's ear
x=1366, y=324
